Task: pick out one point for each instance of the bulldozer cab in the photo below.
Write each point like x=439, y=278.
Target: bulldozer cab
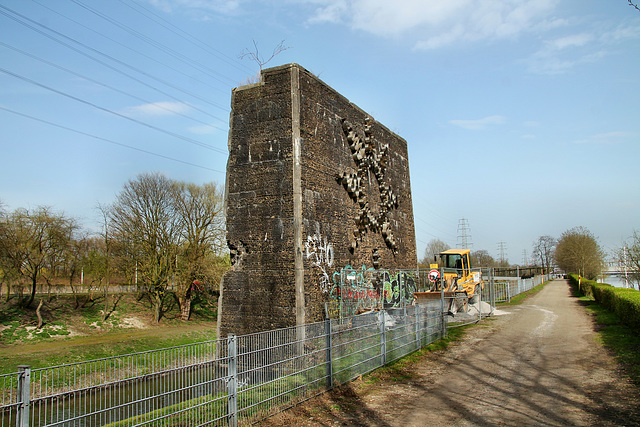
x=456, y=261
x=457, y=281
x=457, y=271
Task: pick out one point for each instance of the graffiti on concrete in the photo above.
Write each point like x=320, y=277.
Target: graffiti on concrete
x=362, y=289
x=356, y=289
x=320, y=253
x=398, y=288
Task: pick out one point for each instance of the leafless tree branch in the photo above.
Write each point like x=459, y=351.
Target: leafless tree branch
x=633, y=5
x=258, y=58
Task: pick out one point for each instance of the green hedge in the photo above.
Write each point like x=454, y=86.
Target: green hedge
x=621, y=301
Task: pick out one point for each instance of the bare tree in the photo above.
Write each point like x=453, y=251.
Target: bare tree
x=257, y=57
x=629, y=258
x=634, y=5
x=482, y=258
x=103, y=261
x=72, y=261
x=578, y=252
x=434, y=247
x=202, y=232
x=34, y=241
x=543, y=250
x=144, y=219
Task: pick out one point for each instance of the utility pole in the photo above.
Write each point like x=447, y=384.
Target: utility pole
x=626, y=277
x=501, y=251
x=464, y=234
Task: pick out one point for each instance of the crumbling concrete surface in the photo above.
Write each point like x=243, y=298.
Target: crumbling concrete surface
x=314, y=185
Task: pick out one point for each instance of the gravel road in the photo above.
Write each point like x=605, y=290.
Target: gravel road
x=538, y=364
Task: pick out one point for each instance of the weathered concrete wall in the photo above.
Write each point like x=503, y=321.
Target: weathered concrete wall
x=313, y=185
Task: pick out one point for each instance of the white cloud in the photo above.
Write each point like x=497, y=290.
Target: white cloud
x=438, y=23
x=561, y=54
x=574, y=40
x=219, y=6
x=165, y=108
x=479, y=124
x=613, y=137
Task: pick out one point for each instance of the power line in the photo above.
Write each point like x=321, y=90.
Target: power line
x=60, y=67
x=464, y=234
x=186, y=36
x=105, y=139
x=432, y=227
x=213, y=73
x=161, y=47
x=502, y=248
x=75, y=98
x=19, y=18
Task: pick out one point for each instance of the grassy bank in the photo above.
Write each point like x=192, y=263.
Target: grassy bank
x=622, y=340
x=73, y=334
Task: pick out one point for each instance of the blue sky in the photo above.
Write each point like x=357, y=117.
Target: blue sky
x=521, y=116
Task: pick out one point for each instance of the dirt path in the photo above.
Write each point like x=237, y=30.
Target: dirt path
x=538, y=365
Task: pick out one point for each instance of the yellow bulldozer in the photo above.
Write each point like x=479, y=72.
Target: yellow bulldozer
x=459, y=283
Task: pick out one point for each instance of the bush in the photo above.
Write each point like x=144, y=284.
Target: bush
x=625, y=303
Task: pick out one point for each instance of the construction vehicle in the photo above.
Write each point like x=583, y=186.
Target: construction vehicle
x=460, y=285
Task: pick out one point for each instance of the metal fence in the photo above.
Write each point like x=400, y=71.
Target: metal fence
x=508, y=287
x=240, y=379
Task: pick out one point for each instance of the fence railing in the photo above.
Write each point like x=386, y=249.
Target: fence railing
x=508, y=287
x=239, y=379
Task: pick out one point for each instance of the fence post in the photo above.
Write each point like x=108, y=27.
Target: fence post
x=24, y=395
x=443, y=314
x=232, y=385
x=383, y=338
x=417, y=311
x=492, y=294
x=329, y=355
x=479, y=303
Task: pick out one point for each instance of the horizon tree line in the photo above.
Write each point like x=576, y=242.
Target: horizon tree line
x=576, y=251
x=158, y=232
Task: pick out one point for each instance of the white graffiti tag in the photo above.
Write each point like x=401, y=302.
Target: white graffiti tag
x=320, y=254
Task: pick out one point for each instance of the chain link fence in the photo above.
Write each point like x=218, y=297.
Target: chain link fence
x=243, y=379
x=232, y=381
x=508, y=287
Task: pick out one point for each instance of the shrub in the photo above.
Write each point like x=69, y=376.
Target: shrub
x=625, y=303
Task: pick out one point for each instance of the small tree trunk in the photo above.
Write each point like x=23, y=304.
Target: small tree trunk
x=33, y=291
x=106, y=302
x=75, y=296
x=157, y=305
x=39, y=315
x=185, y=307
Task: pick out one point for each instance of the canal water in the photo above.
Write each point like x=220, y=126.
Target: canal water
x=618, y=281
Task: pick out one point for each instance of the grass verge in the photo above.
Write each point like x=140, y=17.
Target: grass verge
x=114, y=343
x=621, y=340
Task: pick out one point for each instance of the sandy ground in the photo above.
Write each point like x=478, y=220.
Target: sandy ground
x=538, y=365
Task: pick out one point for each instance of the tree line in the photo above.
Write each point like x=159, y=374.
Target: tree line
x=576, y=251
x=167, y=236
